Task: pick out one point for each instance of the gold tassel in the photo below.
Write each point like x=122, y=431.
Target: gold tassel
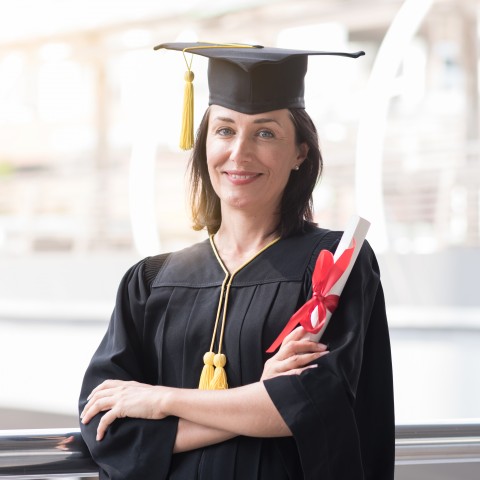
x=219, y=380
x=186, y=136
x=207, y=371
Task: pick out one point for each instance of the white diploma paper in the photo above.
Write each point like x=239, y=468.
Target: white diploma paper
x=356, y=230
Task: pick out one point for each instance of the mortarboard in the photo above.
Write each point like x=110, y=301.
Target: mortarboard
x=247, y=78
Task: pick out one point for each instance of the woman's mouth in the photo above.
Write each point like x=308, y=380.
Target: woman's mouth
x=241, y=178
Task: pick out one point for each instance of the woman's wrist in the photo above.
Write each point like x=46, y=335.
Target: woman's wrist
x=164, y=401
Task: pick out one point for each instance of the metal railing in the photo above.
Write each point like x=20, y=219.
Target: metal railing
x=30, y=454
x=441, y=443
x=44, y=453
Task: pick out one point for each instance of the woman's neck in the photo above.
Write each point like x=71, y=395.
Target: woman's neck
x=239, y=238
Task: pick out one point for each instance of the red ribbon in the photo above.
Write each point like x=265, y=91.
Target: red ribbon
x=325, y=275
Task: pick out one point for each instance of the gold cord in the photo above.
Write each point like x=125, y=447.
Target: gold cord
x=218, y=45
x=216, y=379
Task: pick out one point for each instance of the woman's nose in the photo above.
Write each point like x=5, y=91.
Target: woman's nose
x=241, y=150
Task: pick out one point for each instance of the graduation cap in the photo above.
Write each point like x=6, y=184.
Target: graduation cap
x=247, y=78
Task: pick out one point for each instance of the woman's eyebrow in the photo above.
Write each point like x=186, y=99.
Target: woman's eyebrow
x=224, y=119
x=266, y=120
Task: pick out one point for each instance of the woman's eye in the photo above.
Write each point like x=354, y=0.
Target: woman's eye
x=265, y=134
x=224, y=131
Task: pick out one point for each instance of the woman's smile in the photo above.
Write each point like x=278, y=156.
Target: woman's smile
x=240, y=177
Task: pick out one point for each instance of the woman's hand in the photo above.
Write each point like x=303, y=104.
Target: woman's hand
x=294, y=355
x=123, y=399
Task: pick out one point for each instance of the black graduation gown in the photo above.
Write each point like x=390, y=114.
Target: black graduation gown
x=340, y=414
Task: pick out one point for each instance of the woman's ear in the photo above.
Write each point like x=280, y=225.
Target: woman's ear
x=302, y=152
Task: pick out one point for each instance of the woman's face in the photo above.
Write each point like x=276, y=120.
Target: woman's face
x=250, y=157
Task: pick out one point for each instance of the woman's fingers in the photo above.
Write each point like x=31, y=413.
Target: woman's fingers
x=294, y=355
x=297, y=341
x=296, y=334
x=105, y=422
x=99, y=401
x=121, y=399
x=296, y=347
x=107, y=397
x=299, y=360
x=106, y=385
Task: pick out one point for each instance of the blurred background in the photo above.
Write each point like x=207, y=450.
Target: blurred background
x=92, y=179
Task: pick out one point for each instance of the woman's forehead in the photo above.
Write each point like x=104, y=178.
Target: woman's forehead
x=218, y=112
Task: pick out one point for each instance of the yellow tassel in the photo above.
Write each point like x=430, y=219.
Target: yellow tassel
x=219, y=380
x=186, y=136
x=207, y=371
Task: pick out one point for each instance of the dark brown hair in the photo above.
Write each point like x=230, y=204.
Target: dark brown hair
x=296, y=208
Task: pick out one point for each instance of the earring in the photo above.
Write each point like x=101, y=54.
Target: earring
x=296, y=167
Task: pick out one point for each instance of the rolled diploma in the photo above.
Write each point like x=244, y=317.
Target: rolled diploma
x=357, y=229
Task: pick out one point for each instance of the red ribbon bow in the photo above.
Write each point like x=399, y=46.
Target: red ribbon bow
x=325, y=275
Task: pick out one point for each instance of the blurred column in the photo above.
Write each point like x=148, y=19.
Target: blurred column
x=100, y=161
x=468, y=11
x=373, y=120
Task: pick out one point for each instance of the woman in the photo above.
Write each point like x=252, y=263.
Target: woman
x=305, y=412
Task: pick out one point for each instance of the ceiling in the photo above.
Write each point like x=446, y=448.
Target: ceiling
x=23, y=20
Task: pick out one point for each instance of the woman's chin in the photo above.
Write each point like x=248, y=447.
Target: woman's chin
x=249, y=206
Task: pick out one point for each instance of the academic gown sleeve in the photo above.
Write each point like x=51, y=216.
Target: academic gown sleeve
x=131, y=448
x=341, y=413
